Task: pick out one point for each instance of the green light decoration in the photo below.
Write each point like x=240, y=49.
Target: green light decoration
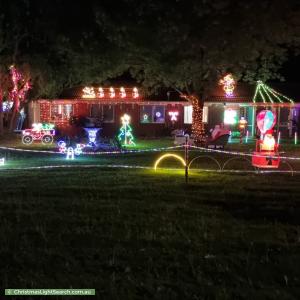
x=268, y=94
x=125, y=136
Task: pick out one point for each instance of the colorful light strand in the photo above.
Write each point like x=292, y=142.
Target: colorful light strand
x=266, y=92
x=125, y=136
x=228, y=83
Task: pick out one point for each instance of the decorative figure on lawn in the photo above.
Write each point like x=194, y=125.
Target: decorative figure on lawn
x=125, y=136
x=2, y=161
x=70, y=153
x=266, y=154
x=92, y=135
x=228, y=83
x=39, y=132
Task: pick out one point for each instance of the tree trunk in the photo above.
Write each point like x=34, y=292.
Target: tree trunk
x=1, y=114
x=197, y=125
x=13, y=120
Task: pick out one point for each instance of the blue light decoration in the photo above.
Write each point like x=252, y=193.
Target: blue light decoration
x=2, y=161
x=7, y=106
x=92, y=134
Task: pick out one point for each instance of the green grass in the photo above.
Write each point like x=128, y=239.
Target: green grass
x=141, y=234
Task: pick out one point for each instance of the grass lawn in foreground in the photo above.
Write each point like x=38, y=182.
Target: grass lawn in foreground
x=140, y=234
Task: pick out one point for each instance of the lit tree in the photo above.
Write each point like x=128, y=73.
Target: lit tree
x=125, y=136
x=21, y=86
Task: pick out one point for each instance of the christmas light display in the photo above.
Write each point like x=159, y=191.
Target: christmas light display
x=230, y=116
x=135, y=93
x=38, y=132
x=265, y=120
x=228, y=83
x=145, y=118
x=169, y=155
x=70, y=153
x=2, y=161
x=296, y=138
x=20, y=87
x=265, y=93
x=197, y=125
x=266, y=154
x=112, y=92
x=78, y=149
x=88, y=92
x=62, y=146
x=100, y=92
x=92, y=134
x=174, y=116
x=122, y=92
x=125, y=136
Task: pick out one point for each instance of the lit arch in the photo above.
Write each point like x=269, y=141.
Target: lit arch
x=169, y=155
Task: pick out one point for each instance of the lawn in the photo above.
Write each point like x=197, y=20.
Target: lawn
x=141, y=234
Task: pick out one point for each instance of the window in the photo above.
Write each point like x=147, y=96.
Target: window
x=205, y=114
x=230, y=116
x=188, y=114
x=61, y=112
x=103, y=112
x=152, y=114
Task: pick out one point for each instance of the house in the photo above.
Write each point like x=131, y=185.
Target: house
x=104, y=107
x=247, y=100
x=154, y=116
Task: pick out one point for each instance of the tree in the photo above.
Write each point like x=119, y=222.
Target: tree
x=189, y=45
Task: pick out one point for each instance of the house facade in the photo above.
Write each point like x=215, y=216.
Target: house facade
x=104, y=107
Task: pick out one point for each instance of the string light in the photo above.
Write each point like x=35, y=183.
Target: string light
x=70, y=153
x=38, y=132
x=122, y=93
x=100, y=92
x=112, y=92
x=197, y=125
x=228, y=83
x=20, y=86
x=88, y=92
x=135, y=93
x=169, y=155
x=174, y=115
x=125, y=134
x=92, y=134
x=266, y=92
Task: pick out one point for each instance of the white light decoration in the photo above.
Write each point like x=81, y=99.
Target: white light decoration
x=112, y=93
x=100, y=92
x=158, y=114
x=135, y=92
x=2, y=161
x=78, y=149
x=70, y=153
x=122, y=93
x=88, y=92
x=174, y=115
x=145, y=118
x=230, y=116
